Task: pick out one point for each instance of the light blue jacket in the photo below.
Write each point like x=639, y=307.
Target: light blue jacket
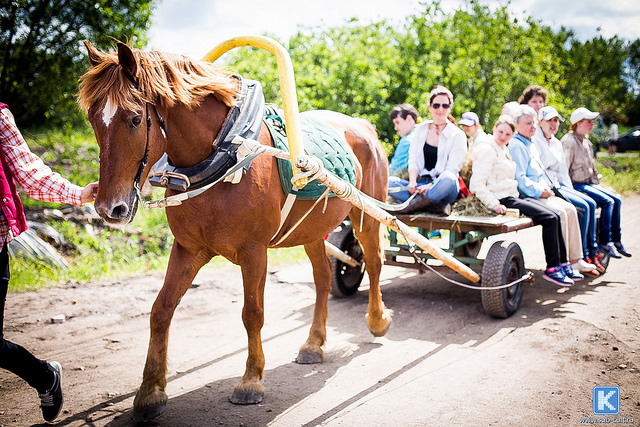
x=529, y=172
x=400, y=159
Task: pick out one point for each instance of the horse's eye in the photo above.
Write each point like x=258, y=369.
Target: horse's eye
x=136, y=120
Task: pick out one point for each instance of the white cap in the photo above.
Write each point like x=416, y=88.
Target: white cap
x=469, y=119
x=548, y=113
x=582, y=114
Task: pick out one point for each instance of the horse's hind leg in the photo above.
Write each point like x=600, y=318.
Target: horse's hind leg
x=311, y=351
x=378, y=317
x=151, y=397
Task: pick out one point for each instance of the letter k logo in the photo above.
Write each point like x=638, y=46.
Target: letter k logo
x=606, y=400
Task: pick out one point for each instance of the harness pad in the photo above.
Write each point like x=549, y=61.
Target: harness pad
x=320, y=140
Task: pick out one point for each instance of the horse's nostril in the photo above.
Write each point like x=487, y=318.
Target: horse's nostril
x=121, y=210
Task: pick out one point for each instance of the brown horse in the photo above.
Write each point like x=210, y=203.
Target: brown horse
x=122, y=92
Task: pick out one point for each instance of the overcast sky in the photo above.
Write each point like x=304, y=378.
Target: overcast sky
x=193, y=27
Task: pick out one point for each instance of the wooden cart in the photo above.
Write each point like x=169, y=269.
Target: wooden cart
x=503, y=264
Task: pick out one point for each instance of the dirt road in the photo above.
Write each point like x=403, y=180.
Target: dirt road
x=443, y=362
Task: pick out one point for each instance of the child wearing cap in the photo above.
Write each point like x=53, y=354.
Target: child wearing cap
x=555, y=170
x=470, y=125
x=578, y=152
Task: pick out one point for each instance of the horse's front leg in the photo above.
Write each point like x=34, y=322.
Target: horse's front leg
x=151, y=398
x=311, y=350
x=253, y=263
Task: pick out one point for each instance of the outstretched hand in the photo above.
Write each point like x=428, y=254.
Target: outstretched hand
x=89, y=193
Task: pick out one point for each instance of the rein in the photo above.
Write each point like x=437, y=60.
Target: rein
x=145, y=158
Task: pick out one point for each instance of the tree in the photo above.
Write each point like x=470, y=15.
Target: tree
x=483, y=55
x=40, y=50
x=602, y=87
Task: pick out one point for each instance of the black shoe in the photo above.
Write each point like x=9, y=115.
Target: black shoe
x=420, y=203
x=621, y=249
x=51, y=400
x=440, y=208
x=610, y=250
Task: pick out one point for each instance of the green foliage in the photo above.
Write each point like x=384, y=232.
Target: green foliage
x=101, y=252
x=111, y=253
x=621, y=173
x=72, y=153
x=42, y=55
x=484, y=55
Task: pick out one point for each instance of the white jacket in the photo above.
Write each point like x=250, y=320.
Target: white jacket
x=552, y=158
x=493, y=174
x=452, y=147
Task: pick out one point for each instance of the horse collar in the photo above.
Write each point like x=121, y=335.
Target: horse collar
x=244, y=120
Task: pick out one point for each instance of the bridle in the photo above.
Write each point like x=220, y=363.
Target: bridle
x=145, y=158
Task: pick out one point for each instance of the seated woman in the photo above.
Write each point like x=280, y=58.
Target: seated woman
x=493, y=182
x=578, y=151
x=533, y=183
x=437, y=150
x=555, y=169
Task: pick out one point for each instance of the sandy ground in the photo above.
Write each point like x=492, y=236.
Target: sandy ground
x=443, y=362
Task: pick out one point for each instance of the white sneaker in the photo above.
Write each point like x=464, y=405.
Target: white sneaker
x=583, y=265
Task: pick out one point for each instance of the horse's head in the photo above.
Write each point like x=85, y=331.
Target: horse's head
x=119, y=114
x=124, y=94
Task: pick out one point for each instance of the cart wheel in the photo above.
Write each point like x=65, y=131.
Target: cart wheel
x=470, y=250
x=604, y=259
x=346, y=279
x=504, y=264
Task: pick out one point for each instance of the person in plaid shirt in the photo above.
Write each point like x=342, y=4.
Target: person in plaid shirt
x=20, y=165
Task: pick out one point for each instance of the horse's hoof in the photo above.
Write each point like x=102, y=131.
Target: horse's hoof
x=308, y=358
x=149, y=402
x=380, y=325
x=247, y=394
x=250, y=398
x=309, y=354
x=148, y=414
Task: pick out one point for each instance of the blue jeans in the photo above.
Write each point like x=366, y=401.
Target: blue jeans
x=610, y=206
x=445, y=189
x=586, y=208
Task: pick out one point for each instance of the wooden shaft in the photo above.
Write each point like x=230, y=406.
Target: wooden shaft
x=349, y=193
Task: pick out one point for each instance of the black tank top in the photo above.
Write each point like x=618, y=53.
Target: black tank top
x=430, y=156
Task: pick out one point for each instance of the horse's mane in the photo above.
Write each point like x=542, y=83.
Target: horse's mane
x=162, y=77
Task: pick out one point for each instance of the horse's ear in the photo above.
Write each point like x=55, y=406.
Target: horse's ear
x=94, y=56
x=128, y=62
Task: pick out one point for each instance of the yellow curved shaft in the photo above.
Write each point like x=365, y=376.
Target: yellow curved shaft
x=287, y=88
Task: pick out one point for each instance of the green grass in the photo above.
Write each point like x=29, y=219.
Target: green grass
x=111, y=253
x=622, y=173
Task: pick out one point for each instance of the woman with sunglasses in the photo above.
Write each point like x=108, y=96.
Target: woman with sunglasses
x=436, y=153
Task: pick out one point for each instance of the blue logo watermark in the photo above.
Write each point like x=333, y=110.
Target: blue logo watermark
x=606, y=400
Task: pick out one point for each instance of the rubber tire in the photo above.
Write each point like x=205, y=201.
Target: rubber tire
x=345, y=280
x=504, y=263
x=605, y=261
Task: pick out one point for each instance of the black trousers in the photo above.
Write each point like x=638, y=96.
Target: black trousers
x=555, y=251
x=13, y=357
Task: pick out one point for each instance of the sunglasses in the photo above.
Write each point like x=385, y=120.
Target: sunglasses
x=436, y=106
